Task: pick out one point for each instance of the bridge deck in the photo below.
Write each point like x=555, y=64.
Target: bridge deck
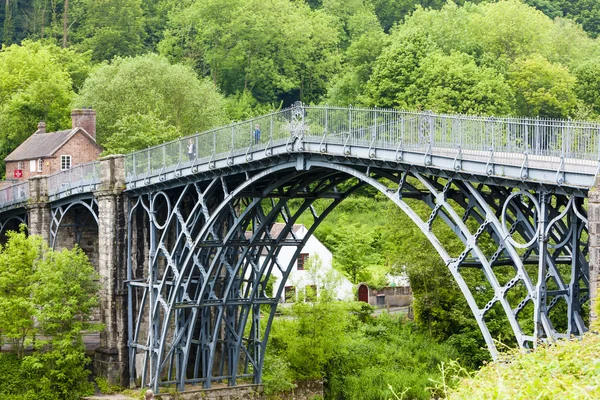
x=536, y=151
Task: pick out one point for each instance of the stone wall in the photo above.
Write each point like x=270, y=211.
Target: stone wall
x=391, y=296
x=111, y=360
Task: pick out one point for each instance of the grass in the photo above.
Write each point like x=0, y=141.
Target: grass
x=564, y=370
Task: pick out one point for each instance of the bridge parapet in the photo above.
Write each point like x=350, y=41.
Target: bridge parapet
x=548, y=151
x=14, y=195
x=82, y=178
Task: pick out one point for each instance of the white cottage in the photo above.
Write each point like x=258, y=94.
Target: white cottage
x=304, y=282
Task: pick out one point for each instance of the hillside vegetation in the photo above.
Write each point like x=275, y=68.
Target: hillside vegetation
x=563, y=370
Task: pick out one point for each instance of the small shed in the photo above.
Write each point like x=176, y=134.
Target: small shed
x=389, y=296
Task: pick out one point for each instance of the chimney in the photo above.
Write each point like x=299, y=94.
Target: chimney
x=41, y=127
x=85, y=118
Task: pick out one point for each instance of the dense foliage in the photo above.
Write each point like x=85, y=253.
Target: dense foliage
x=391, y=243
x=358, y=356
x=563, y=370
x=46, y=300
x=145, y=101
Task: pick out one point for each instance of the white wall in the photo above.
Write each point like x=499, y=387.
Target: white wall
x=325, y=275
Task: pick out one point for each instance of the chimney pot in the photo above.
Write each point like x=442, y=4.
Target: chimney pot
x=41, y=127
x=85, y=118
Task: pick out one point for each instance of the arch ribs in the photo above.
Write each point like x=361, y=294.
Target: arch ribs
x=200, y=258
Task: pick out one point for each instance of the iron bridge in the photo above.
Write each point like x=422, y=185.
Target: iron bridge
x=512, y=190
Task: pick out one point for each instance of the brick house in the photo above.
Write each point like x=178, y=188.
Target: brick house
x=45, y=153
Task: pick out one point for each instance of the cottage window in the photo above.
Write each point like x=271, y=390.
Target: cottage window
x=65, y=162
x=20, y=165
x=301, y=261
x=290, y=294
x=40, y=165
x=32, y=165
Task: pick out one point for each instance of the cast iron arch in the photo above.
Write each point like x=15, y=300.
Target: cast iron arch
x=193, y=294
x=60, y=211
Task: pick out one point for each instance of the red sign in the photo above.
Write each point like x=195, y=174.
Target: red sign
x=18, y=173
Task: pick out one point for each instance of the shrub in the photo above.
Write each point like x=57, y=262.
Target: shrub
x=563, y=370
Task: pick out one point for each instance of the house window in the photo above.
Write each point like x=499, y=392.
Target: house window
x=302, y=259
x=290, y=294
x=32, y=165
x=20, y=165
x=65, y=162
x=40, y=165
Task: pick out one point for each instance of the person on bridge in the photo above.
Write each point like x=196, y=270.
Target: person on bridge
x=257, y=134
x=191, y=149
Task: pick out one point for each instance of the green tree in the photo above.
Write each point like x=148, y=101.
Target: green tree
x=273, y=49
x=353, y=18
x=354, y=249
x=588, y=84
x=148, y=93
x=46, y=301
x=109, y=28
x=542, y=88
x=348, y=87
x=17, y=277
x=37, y=83
x=395, y=70
x=455, y=84
x=584, y=12
x=318, y=329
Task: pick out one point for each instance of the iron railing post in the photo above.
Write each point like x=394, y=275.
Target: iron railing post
x=431, y=129
x=271, y=128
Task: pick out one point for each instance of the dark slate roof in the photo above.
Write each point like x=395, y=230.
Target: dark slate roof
x=40, y=145
x=275, y=232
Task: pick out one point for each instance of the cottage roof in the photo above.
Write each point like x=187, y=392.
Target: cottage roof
x=275, y=232
x=277, y=228
x=41, y=145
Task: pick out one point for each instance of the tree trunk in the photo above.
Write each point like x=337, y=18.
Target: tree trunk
x=65, y=24
x=7, y=34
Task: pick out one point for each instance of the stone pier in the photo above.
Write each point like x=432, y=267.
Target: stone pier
x=38, y=208
x=111, y=360
x=594, y=248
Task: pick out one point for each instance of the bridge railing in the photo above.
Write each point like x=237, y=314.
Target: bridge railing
x=81, y=178
x=374, y=127
x=14, y=194
x=394, y=128
x=227, y=141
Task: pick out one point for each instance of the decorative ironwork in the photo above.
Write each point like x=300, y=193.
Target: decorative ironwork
x=73, y=214
x=195, y=307
x=201, y=248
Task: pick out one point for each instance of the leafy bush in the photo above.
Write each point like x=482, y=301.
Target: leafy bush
x=563, y=370
x=358, y=356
